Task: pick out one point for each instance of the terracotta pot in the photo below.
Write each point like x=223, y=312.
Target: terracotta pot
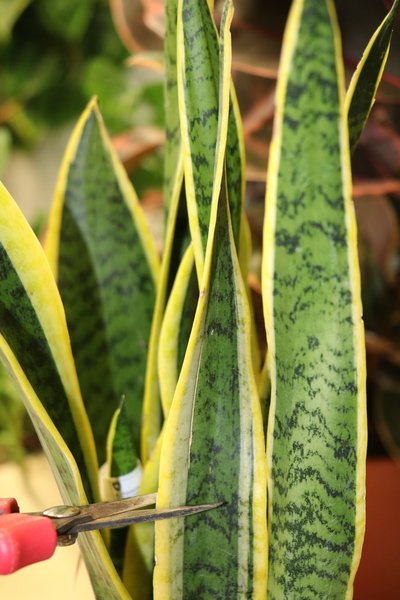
x=378, y=577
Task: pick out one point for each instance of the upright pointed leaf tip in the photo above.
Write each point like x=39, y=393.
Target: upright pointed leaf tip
x=53, y=233
x=173, y=182
x=198, y=92
x=106, y=264
x=365, y=81
x=316, y=441
x=173, y=147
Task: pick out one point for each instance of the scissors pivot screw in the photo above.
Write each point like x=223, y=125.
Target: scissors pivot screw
x=61, y=512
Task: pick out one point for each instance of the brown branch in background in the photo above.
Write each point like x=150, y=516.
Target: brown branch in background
x=130, y=18
x=259, y=114
x=135, y=145
x=382, y=348
x=375, y=187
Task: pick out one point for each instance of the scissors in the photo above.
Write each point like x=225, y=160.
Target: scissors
x=27, y=538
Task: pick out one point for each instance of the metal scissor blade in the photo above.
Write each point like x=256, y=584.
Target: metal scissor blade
x=125, y=518
x=66, y=518
x=101, y=510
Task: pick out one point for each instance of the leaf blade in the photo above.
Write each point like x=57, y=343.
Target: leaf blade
x=173, y=199
x=107, y=268
x=360, y=96
x=34, y=328
x=61, y=439
x=198, y=89
x=175, y=330
x=212, y=436
x=311, y=285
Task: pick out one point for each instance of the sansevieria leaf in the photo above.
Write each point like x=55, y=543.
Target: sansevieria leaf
x=33, y=329
x=35, y=348
x=316, y=441
x=139, y=555
x=198, y=88
x=214, y=450
x=122, y=476
x=106, y=267
x=213, y=442
x=364, y=84
x=138, y=571
x=173, y=172
x=173, y=200
x=176, y=328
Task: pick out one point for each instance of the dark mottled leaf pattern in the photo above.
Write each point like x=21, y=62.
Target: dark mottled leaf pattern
x=106, y=282
x=213, y=445
x=34, y=346
x=213, y=449
x=26, y=332
x=317, y=431
x=198, y=70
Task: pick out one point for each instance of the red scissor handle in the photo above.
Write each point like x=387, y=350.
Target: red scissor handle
x=24, y=539
x=8, y=505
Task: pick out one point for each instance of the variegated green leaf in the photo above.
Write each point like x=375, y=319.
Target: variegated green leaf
x=364, y=84
x=264, y=391
x=316, y=440
x=173, y=201
x=174, y=335
x=176, y=240
x=138, y=574
x=121, y=457
x=123, y=476
x=139, y=563
x=214, y=449
x=176, y=328
x=198, y=89
x=213, y=445
x=173, y=147
x=245, y=252
x=32, y=325
x=106, y=267
x=35, y=348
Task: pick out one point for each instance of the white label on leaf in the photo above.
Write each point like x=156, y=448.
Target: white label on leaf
x=118, y=488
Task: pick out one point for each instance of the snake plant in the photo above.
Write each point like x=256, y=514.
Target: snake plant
x=149, y=367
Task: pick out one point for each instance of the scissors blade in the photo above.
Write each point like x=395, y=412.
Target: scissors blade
x=66, y=518
x=101, y=510
x=125, y=518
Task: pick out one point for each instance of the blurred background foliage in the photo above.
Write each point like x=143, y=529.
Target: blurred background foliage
x=55, y=54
